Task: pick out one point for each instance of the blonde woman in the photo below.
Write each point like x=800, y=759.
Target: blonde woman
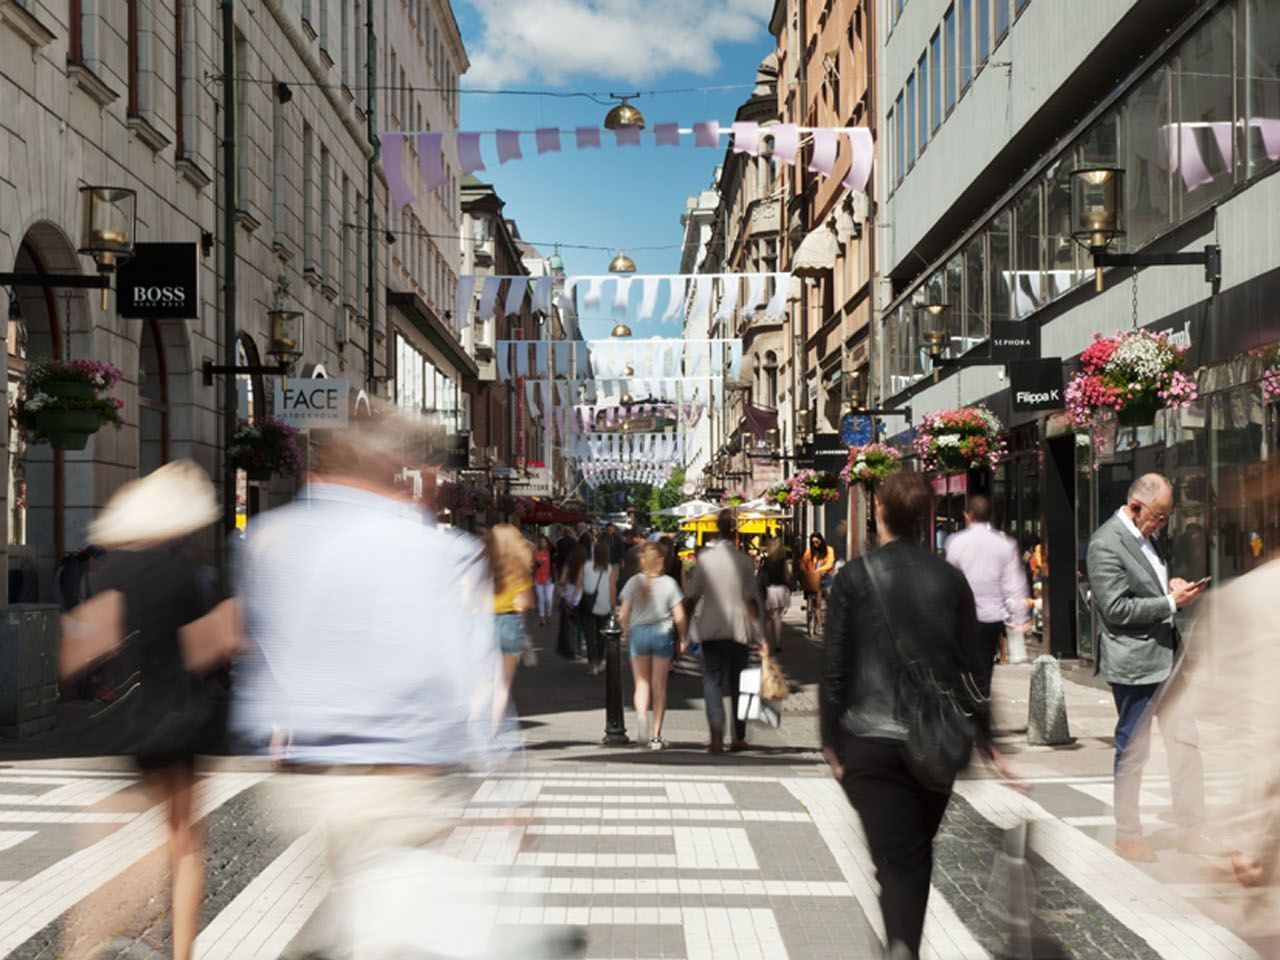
x=511, y=565
x=653, y=622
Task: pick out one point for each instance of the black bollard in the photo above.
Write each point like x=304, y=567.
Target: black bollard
x=615, y=727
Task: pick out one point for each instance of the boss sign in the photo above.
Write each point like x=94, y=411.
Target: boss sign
x=312, y=403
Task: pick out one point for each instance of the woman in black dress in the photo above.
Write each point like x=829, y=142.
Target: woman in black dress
x=154, y=624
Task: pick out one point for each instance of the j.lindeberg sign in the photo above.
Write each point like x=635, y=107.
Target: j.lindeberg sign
x=161, y=281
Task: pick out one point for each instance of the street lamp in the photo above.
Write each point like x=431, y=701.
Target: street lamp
x=622, y=264
x=624, y=114
x=286, y=336
x=1097, y=211
x=110, y=220
x=621, y=330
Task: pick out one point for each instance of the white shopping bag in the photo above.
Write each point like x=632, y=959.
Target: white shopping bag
x=750, y=704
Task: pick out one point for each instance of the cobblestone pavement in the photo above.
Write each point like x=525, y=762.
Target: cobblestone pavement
x=672, y=854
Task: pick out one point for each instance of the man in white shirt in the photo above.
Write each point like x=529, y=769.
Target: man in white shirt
x=1138, y=643
x=990, y=562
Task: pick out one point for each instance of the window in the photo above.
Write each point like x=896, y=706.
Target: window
x=358, y=298
x=308, y=200
x=935, y=81
x=324, y=24
x=984, y=32
x=1202, y=114
x=1148, y=187
x=949, y=40
x=306, y=12
x=922, y=69
x=345, y=228
x=966, y=44
x=911, y=120
x=344, y=54
x=391, y=100
x=1261, y=130
x=1002, y=19
x=185, y=92
x=1021, y=4
x=1026, y=287
x=975, y=290
x=243, y=140
x=131, y=28
x=999, y=264
x=1063, y=257
x=899, y=140
x=153, y=400
x=279, y=182
x=953, y=286
x=358, y=40
x=326, y=217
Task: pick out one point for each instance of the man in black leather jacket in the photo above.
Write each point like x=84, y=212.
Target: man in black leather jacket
x=930, y=614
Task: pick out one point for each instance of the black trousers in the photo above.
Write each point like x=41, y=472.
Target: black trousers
x=900, y=819
x=989, y=635
x=722, y=664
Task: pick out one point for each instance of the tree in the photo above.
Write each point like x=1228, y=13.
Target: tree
x=664, y=497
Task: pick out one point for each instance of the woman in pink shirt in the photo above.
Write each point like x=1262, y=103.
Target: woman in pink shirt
x=543, y=583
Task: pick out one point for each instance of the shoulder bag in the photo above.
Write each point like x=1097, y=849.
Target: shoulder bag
x=940, y=732
x=587, y=602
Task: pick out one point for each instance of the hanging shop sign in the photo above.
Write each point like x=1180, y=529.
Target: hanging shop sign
x=1013, y=340
x=306, y=403
x=161, y=281
x=829, y=452
x=1036, y=385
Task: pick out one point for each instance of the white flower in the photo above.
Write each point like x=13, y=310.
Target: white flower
x=948, y=440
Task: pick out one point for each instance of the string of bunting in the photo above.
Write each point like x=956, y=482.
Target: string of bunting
x=660, y=359
x=598, y=474
x=688, y=296
x=464, y=148
x=558, y=400
x=628, y=447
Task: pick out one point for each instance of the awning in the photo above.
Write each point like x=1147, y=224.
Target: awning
x=816, y=254
x=544, y=513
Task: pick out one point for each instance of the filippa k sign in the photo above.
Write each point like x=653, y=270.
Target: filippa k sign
x=318, y=402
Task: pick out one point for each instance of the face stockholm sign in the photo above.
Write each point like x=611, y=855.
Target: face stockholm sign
x=160, y=282
x=306, y=403
x=1036, y=385
x=1012, y=340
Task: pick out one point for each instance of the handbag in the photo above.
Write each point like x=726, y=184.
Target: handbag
x=940, y=732
x=773, y=685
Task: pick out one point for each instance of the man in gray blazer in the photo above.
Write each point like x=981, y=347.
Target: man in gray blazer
x=1137, y=656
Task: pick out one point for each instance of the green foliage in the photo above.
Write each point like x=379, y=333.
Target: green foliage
x=662, y=498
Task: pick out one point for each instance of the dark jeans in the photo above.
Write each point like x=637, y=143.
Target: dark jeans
x=592, y=624
x=900, y=819
x=1136, y=706
x=989, y=635
x=722, y=664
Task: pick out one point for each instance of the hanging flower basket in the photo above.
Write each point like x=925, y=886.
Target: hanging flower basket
x=779, y=493
x=1134, y=375
x=870, y=463
x=63, y=402
x=265, y=448
x=961, y=439
x=732, y=500
x=813, y=486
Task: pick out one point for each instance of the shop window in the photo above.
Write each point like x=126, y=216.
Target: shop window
x=1026, y=288
x=1236, y=448
x=1147, y=158
x=975, y=291
x=1202, y=135
x=1262, y=84
x=953, y=285
x=153, y=400
x=1000, y=263
x=1062, y=255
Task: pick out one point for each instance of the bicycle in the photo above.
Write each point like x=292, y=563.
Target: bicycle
x=812, y=613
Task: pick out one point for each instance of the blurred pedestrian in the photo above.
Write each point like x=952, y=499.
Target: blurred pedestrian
x=653, y=625
x=599, y=598
x=671, y=564
x=510, y=562
x=990, y=562
x=1138, y=652
x=371, y=677
x=817, y=564
x=544, y=584
x=726, y=604
x=900, y=628
x=584, y=537
x=775, y=583
x=572, y=631
x=564, y=548
x=163, y=635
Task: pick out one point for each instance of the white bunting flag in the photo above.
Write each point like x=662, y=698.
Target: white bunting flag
x=466, y=295
x=622, y=295
x=678, y=290
x=516, y=288
x=488, y=297
x=542, y=287
x=649, y=297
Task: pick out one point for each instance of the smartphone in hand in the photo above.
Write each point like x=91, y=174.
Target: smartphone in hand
x=1202, y=583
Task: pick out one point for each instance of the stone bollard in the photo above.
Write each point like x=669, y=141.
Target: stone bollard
x=1047, y=705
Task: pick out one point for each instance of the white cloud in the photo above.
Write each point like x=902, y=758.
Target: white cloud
x=630, y=41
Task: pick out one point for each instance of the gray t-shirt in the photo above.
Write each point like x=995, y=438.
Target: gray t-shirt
x=652, y=599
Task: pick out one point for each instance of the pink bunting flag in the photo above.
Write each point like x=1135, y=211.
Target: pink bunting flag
x=707, y=134
x=587, y=137
x=431, y=159
x=860, y=166
x=824, y=151
x=508, y=145
x=548, y=139
x=667, y=134
x=627, y=136
x=469, y=153
x=393, y=167
x=786, y=142
x=746, y=138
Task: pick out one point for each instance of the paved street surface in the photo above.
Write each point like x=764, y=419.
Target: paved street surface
x=677, y=854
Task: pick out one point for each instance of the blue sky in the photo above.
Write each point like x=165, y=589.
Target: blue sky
x=616, y=197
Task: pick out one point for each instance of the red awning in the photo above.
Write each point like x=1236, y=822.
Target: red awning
x=544, y=513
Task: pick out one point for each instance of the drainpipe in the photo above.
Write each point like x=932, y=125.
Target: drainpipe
x=371, y=181
x=229, y=162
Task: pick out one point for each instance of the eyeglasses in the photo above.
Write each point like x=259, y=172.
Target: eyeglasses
x=1159, y=517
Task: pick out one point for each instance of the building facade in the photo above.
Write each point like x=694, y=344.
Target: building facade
x=975, y=196
x=826, y=62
